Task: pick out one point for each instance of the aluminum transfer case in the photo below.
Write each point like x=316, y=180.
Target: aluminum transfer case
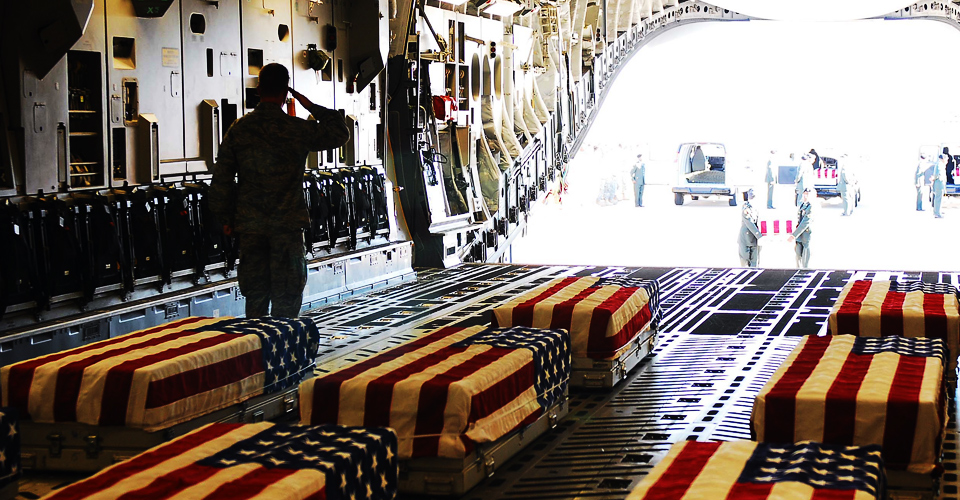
x=72, y=446
x=454, y=477
x=597, y=373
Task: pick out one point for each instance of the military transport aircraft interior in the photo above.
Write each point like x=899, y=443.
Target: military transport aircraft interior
x=478, y=249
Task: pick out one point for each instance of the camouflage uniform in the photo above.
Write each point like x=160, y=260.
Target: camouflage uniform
x=771, y=179
x=266, y=151
x=939, y=184
x=638, y=174
x=920, y=181
x=749, y=234
x=843, y=185
x=802, y=234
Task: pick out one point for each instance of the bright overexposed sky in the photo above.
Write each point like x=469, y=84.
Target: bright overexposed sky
x=859, y=84
x=874, y=89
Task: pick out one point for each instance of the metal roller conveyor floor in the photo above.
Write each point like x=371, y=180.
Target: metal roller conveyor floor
x=724, y=333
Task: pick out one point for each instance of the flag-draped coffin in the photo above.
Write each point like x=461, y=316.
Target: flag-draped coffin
x=448, y=390
x=161, y=376
x=602, y=314
x=254, y=461
x=868, y=308
x=860, y=391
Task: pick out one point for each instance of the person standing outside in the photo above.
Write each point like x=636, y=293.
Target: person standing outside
x=919, y=178
x=771, y=178
x=804, y=176
x=844, y=182
x=939, y=184
x=801, y=235
x=749, y=235
x=257, y=192
x=951, y=166
x=815, y=163
x=639, y=174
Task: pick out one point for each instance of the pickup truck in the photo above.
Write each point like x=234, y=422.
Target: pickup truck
x=702, y=171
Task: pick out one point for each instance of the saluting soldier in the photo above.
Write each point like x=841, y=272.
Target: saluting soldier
x=257, y=192
x=638, y=173
x=749, y=234
x=771, y=178
x=801, y=235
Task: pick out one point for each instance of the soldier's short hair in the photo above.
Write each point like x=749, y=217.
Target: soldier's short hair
x=274, y=80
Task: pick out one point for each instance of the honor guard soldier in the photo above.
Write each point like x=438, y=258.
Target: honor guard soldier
x=749, y=234
x=771, y=178
x=801, y=235
x=804, y=176
x=638, y=173
x=257, y=192
x=939, y=184
x=845, y=185
x=919, y=178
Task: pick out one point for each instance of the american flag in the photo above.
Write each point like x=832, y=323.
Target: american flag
x=747, y=470
x=9, y=446
x=858, y=391
x=161, y=376
x=448, y=390
x=826, y=173
x=602, y=314
x=775, y=226
x=867, y=308
x=240, y=461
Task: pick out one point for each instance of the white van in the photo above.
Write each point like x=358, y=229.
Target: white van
x=702, y=171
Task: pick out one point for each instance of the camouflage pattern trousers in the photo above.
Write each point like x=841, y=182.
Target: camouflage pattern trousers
x=273, y=268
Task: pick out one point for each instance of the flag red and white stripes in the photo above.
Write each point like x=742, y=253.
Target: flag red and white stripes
x=161, y=376
x=253, y=461
x=447, y=390
x=775, y=226
x=826, y=173
x=868, y=308
x=602, y=314
x=858, y=391
x=747, y=470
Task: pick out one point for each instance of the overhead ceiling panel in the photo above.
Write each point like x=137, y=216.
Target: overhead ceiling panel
x=813, y=10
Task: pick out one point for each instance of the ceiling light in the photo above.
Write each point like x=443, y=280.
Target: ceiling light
x=500, y=7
